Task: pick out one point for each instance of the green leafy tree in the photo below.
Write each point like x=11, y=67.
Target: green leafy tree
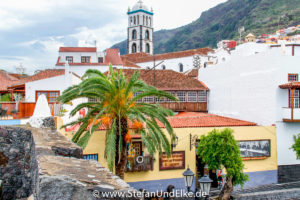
x=117, y=107
x=296, y=146
x=220, y=150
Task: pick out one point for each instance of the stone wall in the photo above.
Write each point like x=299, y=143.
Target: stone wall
x=16, y=154
x=43, y=164
x=288, y=173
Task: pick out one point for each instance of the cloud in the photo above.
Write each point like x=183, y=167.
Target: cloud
x=33, y=30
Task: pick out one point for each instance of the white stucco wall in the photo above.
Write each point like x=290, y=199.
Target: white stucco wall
x=285, y=133
x=77, y=56
x=246, y=87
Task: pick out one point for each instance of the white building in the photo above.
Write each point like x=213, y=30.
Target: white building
x=245, y=85
x=81, y=59
x=140, y=29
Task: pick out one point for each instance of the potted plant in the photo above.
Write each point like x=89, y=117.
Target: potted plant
x=15, y=114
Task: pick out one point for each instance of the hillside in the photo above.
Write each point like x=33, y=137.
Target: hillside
x=223, y=21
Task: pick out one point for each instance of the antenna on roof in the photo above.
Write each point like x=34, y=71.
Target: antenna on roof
x=20, y=69
x=95, y=41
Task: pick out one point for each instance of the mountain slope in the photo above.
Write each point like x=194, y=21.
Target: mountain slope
x=223, y=21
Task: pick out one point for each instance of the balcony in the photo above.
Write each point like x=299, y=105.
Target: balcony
x=291, y=115
x=139, y=164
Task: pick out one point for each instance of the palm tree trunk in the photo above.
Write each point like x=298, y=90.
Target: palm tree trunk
x=227, y=189
x=121, y=160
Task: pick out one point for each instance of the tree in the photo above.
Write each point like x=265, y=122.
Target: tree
x=117, y=105
x=296, y=146
x=220, y=150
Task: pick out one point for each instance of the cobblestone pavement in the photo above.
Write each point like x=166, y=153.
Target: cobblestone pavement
x=266, y=190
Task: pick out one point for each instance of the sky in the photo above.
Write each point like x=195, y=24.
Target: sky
x=31, y=31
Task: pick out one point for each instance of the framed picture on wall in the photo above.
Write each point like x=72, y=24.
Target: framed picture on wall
x=255, y=148
x=176, y=161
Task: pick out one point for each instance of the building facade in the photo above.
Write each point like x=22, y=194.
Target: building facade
x=253, y=84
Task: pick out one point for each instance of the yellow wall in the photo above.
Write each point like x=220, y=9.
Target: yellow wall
x=96, y=145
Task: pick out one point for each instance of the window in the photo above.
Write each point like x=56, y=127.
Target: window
x=134, y=34
x=293, y=77
x=149, y=99
x=85, y=59
x=181, y=95
x=169, y=100
x=69, y=59
x=50, y=95
x=147, y=35
x=134, y=20
x=133, y=49
x=160, y=100
x=90, y=157
x=295, y=99
x=100, y=59
x=147, y=48
x=192, y=96
x=163, y=67
x=180, y=67
x=202, y=96
x=147, y=67
x=138, y=148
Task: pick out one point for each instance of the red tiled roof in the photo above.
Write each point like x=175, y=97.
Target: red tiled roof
x=192, y=73
x=77, y=49
x=193, y=119
x=290, y=85
x=167, y=79
x=6, y=79
x=144, y=57
x=48, y=73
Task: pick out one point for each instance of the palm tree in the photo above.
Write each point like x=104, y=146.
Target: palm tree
x=118, y=105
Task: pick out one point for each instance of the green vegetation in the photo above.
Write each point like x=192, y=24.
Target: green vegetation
x=117, y=107
x=220, y=150
x=223, y=21
x=296, y=146
x=5, y=97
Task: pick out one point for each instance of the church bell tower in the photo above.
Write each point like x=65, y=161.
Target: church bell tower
x=140, y=29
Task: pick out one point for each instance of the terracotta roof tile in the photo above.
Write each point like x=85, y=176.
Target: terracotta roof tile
x=48, y=73
x=77, y=49
x=192, y=119
x=167, y=79
x=192, y=73
x=6, y=79
x=143, y=57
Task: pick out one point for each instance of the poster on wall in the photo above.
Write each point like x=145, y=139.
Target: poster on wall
x=255, y=148
x=176, y=161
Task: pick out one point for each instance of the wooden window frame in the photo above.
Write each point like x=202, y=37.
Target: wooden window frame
x=293, y=75
x=48, y=94
x=202, y=96
x=185, y=96
x=172, y=93
x=83, y=59
x=188, y=96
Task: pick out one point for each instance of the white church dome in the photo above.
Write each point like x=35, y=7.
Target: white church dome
x=140, y=6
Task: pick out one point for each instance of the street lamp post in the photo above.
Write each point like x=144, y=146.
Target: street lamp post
x=205, y=183
x=188, y=178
